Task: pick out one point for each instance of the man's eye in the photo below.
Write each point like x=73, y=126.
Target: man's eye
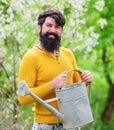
x=48, y=25
x=58, y=27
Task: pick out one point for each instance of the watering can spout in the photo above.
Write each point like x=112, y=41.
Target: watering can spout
x=24, y=90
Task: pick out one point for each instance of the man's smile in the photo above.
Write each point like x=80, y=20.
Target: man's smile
x=51, y=36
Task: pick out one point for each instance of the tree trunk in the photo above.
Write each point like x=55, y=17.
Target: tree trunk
x=109, y=106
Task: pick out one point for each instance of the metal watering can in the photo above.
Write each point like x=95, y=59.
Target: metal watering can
x=73, y=102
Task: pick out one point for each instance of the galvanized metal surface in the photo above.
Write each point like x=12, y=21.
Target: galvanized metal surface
x=74, y=105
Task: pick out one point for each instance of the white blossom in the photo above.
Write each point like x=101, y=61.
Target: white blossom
x=2, y=19
x=102, y=22
x=99, y=5
x=4, y=1
x=2, y=33
x=2, y=52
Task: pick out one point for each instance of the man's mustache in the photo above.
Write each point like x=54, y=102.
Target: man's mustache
x=51, y=33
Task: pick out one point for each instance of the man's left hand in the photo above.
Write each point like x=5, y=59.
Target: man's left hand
x=86, y=76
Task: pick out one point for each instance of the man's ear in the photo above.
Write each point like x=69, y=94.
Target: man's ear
x=39, y=28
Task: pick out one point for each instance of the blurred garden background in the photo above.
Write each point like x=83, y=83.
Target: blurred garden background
x=89, y=33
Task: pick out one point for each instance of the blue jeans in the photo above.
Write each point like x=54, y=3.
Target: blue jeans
x=38, y=126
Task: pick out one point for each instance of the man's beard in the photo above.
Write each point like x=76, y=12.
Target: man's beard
x=50, y=44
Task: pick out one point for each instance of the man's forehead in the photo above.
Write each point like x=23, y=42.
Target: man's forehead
x=50, y=20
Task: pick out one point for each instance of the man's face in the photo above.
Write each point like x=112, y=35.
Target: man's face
x=50, y=35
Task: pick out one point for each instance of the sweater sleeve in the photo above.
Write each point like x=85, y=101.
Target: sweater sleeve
x=27, y=72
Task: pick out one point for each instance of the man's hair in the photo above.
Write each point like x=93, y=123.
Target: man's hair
x=53, y=13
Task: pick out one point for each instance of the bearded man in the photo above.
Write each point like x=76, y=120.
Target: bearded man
x=45, y=67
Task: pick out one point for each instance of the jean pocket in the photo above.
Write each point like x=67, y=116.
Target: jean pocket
x=46, y=127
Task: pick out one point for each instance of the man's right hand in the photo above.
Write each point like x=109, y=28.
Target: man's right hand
x=59, y=81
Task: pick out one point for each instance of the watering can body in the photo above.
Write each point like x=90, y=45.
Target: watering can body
x=73, y=104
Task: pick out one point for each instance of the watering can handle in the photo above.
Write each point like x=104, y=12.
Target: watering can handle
x=89, y=84
x=78, y=70
x=51, y=100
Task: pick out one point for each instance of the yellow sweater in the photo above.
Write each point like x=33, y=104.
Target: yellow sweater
x=38, y=68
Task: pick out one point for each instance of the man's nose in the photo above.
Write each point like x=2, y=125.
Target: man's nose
x=53, y=29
